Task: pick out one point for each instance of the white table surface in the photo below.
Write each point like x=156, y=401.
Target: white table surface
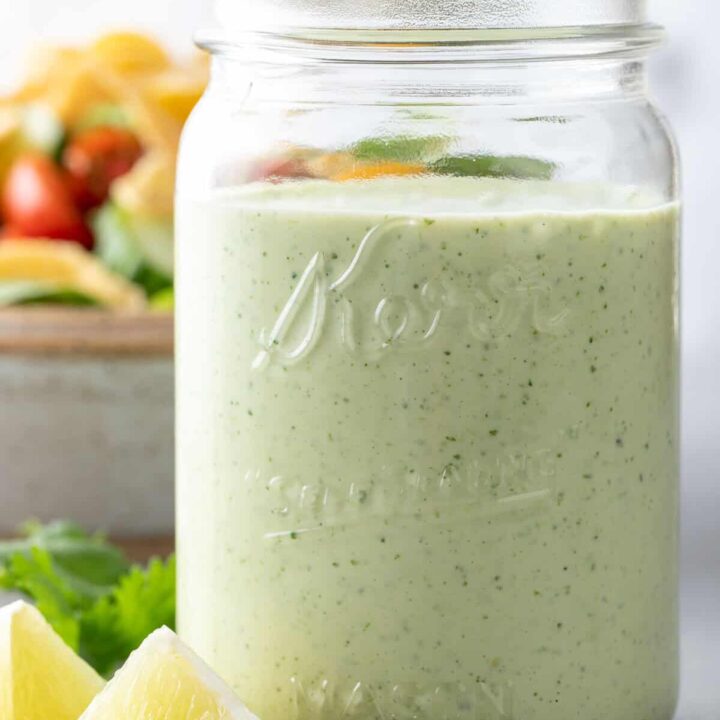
x=701, y=604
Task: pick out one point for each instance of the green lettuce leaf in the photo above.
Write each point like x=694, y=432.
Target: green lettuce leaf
x=495, y=166
x=30, y=292
x=104, y=115
x=163, y=300
x=402, y=148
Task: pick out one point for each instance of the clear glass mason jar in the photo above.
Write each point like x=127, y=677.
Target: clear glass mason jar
x=427, y=364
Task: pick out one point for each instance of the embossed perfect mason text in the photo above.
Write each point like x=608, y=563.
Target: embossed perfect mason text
x=513, y=481
x=479, y=700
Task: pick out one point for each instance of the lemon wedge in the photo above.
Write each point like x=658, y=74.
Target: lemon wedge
x=66, y=266
x=165, y=680
x=40, y=676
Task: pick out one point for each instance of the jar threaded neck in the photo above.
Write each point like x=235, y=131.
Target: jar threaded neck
x=284, y=16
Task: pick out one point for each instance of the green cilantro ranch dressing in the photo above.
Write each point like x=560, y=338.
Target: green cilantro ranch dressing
x=427, y=459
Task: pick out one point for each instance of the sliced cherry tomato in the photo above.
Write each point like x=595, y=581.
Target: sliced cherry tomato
x=36, y=202
x=279, y=169
x=97, y=157
x=10, y=232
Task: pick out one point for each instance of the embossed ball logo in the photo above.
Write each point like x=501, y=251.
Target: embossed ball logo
x=374, y=306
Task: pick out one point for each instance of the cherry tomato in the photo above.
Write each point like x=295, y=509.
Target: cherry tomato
x=36, y=202
x=97, y=157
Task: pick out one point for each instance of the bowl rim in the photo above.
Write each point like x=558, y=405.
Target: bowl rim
x=85, y=332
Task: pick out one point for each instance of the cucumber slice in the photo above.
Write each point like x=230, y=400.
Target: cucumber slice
x=133, y=247
x=115, y=241
x=42, y=129
x=155, y=239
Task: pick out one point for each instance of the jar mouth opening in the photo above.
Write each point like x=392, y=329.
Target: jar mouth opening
x=481, y=44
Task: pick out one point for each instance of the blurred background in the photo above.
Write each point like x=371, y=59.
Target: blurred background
x=684, y=82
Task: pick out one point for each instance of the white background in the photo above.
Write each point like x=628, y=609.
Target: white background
x=686, y=84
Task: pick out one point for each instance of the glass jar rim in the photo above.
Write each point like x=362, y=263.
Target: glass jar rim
x=471, y=45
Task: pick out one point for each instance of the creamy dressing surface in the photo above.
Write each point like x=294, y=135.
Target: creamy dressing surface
x=427, y=449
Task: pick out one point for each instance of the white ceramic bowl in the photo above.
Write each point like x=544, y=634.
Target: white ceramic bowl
x=86, y=420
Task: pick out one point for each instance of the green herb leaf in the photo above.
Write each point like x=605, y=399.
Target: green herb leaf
x=35, y=575
x=89, y=561
x=83, y=585
x=143, y=601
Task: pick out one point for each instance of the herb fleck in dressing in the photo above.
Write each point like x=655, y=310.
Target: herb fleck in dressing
x=428, y=461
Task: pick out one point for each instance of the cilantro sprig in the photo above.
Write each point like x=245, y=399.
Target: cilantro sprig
x=102, y=606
